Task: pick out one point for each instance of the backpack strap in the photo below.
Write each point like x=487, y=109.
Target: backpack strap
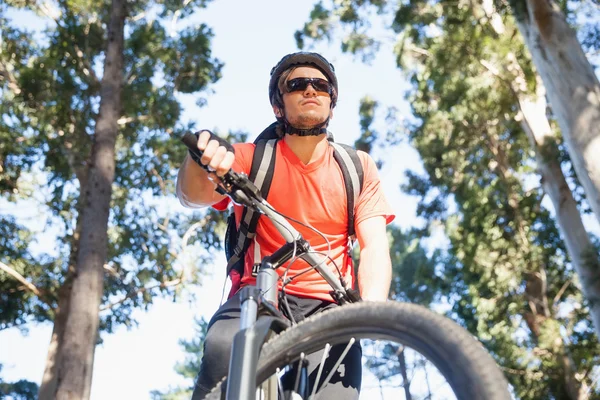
x=352, y=171
x=261, y=174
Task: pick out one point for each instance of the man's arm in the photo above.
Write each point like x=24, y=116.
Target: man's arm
x=194, y=188
x=375, y=269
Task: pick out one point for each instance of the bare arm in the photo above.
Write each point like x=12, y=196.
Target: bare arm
x=375, y=269
x=194, y=188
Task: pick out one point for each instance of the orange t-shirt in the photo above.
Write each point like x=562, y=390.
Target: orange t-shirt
x=314, y=194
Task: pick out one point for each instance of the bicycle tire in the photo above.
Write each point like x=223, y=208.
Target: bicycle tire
x=468, y=368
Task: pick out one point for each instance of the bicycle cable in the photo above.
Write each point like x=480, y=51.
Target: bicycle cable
x=283, y=278
x=327, y=255
x=311, y=267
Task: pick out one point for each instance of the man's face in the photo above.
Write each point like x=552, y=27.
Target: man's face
x=306, y=108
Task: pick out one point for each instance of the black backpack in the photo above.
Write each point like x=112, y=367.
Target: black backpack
x=261, y=174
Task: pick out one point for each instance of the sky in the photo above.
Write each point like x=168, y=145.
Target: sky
x=250, y=37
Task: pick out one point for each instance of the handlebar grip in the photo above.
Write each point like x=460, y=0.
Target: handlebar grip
x=191, y=142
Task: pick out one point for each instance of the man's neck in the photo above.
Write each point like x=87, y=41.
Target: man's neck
x=307, y=148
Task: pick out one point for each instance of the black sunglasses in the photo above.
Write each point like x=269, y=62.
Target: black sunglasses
x=300, y=84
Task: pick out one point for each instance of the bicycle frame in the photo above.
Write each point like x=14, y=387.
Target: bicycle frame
x=241, y=380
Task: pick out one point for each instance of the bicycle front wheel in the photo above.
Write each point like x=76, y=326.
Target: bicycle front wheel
x=461, y=361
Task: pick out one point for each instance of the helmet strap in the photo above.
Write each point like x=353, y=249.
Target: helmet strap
x=285, y=127
x=316, y=130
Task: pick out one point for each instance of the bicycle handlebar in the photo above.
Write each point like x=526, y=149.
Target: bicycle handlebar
x=243, y=191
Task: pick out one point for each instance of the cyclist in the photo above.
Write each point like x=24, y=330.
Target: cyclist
x=308, y=186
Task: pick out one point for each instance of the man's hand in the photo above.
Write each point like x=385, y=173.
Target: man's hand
x=195, y=186
x=216, y=155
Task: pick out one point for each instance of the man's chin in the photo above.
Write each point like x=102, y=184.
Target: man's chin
x=307, y=122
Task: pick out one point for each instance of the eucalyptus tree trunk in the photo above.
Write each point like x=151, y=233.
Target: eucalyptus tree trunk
x=76, y=354
x=534, y=122
x=573, y=88
x=577, y=239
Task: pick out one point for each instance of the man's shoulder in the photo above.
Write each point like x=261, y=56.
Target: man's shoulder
x=364, y=157
x=244, y=147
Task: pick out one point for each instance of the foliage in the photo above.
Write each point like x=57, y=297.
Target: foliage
x=20, y=390
x=505, y=271
x=49, y=84
x=417, y=276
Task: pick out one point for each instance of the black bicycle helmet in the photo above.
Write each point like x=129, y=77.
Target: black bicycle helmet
x=297, y=60
x=302, y=59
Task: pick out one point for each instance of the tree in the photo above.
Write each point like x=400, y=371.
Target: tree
x=543, y=140
x=507, y=272
x=572, y=86
x=115, y=136
x=76, y=359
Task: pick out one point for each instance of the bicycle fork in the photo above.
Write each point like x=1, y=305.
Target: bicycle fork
x=241, y=381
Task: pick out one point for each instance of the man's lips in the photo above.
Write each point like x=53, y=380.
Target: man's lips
x=311, y=101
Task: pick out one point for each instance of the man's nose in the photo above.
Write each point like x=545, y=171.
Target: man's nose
x=310, y=90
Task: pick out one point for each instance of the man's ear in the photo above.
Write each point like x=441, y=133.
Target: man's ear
x=331, y=114
x=278, y=111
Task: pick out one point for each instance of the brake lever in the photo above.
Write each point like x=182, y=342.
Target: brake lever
x=235, y=185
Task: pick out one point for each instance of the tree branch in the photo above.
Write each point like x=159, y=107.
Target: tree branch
x=531, y=374
x=161, y=182
x=9, y=77
x=162, y=285
x=136, y=18
x=560, y=293
x=125, y=120
x=21, y=279
x=176, y=16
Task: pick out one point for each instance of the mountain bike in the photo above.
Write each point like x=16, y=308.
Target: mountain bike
x=269, y=347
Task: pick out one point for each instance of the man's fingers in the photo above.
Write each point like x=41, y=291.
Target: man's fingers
x=214, y=154
x=217, y=158
x=209, y=152
x=203, y=139
x=226, y=164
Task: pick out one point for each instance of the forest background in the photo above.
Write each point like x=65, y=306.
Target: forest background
x=483, y=117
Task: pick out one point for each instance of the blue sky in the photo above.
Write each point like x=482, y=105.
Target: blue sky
x=250, y=37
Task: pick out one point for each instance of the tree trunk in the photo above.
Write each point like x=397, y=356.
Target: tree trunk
x=50, y=379
x=573, y=88
x=577, y=240
x=76, y=357
x=541, y=137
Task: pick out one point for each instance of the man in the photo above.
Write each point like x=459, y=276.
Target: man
x=307, y=186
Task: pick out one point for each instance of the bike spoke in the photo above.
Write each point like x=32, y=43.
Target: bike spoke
x=337, y=364
x=321, y=366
